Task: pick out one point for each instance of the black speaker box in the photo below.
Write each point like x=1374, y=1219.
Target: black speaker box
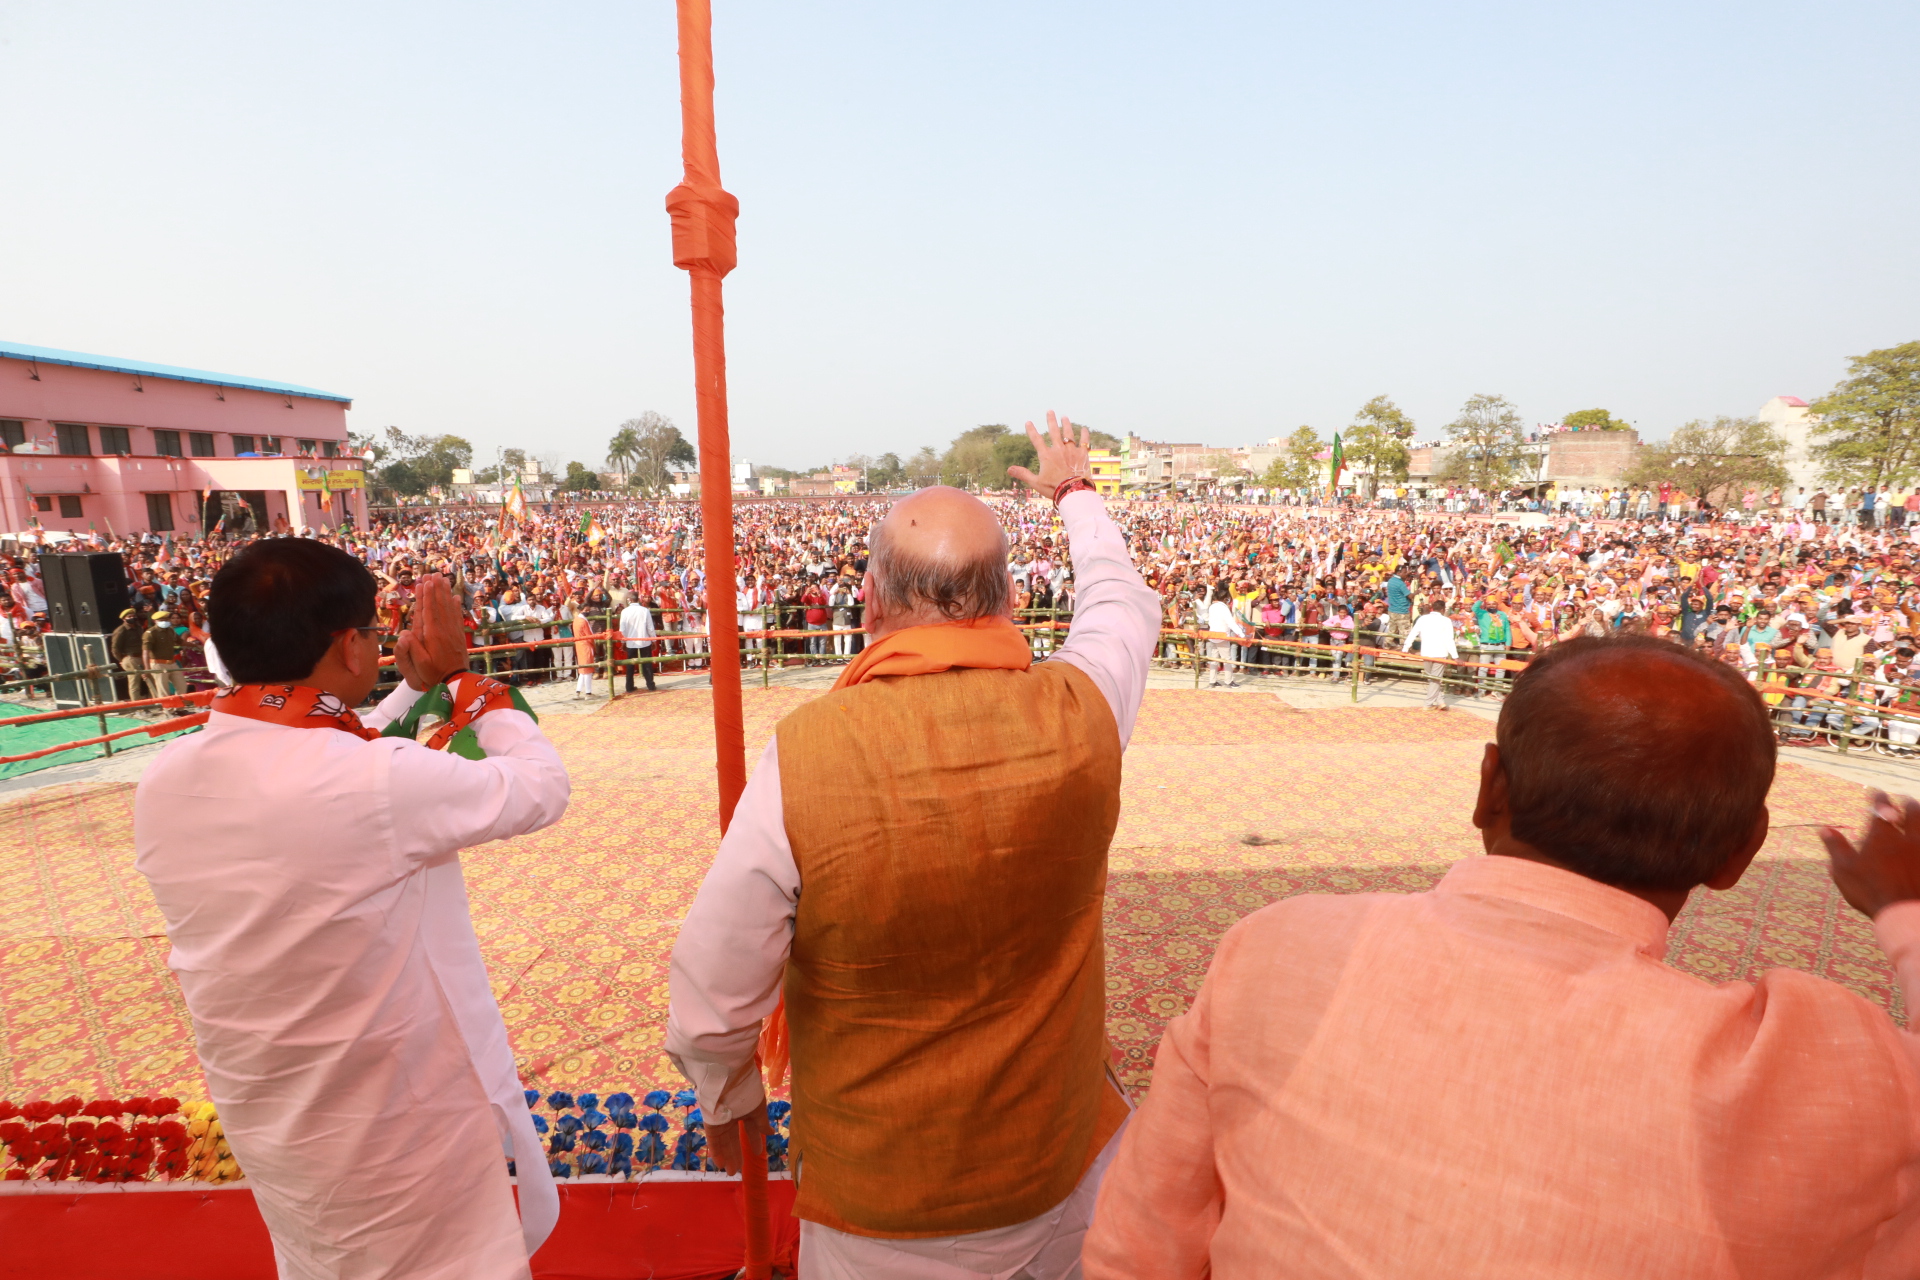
x=71, y=655
x=86, y=591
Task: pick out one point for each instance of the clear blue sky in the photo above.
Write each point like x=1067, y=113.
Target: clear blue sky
x=1195, y=221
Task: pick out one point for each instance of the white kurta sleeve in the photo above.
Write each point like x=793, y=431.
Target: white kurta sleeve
x=393, y=706
x=1116, y=618
x=442, y=803
x=733, y=949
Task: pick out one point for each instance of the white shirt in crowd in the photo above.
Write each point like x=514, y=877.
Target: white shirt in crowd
x=1220, y=618
x=311, y=885
x=1433, y=633
x=636, y=624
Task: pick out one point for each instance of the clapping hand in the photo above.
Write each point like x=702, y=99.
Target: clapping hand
x=1884, y=867
x=1061, y=458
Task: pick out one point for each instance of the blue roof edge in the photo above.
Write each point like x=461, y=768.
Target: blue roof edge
x=81, y=360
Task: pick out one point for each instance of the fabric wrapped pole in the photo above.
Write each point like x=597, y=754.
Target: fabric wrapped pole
x=703, y=245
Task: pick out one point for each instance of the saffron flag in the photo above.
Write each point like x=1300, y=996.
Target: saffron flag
x=517, y=501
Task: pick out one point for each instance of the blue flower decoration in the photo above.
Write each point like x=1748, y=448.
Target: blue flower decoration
x=626, y=1119
x=539, y=1124
x=560, y=1168
x=591, y=1163
x=658, y=1099
x=655, y=1123
x=559, y=1100
x=619, y=1102
x=686, y=1098
x=561, y=1142
x=622, y=1165
x=594, y=1140
x=593, y=1119
x=623, y=1143
x=588, y=1101
x=779, y=1110
x=694, y=1119
x=533, y=1097
x=568, y=1124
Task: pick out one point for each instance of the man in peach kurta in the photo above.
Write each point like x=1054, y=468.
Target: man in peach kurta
x=1500, y=1077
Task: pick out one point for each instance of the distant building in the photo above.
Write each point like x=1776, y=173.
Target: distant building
x=1105, y=465
x=125, y=446
x=1789, y=416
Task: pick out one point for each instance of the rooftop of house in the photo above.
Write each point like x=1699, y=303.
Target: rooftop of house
x=113, y=364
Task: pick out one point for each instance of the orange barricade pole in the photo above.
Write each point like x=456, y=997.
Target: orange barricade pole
x=703, y=215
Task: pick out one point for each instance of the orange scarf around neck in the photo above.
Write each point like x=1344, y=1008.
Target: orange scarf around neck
x=991, y=643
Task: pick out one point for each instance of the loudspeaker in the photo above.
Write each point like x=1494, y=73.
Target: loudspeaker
x=86, y=592
x=74, y=653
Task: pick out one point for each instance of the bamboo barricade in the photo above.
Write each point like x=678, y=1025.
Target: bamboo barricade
x=1864, y=724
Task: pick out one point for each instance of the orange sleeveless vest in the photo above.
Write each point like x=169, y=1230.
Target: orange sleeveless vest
x=946, y=987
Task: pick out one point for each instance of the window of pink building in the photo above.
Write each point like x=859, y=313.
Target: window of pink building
x=116, y=440
x=72, y=438
x=201, y=443
x=167, y=444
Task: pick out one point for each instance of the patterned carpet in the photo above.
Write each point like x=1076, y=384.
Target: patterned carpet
x=1230, y=802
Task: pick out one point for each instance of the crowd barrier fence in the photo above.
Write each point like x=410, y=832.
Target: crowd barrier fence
x=1887, y=721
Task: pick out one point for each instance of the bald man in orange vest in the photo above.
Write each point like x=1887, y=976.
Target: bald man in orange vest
x=947, y=809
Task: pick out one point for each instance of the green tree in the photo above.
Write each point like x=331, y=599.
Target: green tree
x=1377, y=441
x=657, y=444
x=979, y=457
x=414, y=464
x=1595, y=420
x=579, y=479
x=1297, y=467
x=923, y=468
x=1714, y=461
x=1868, y=428
x=887, y=472
x=1010, y=450
x=623, y=450
x=1485, y=442
x=1225, y=469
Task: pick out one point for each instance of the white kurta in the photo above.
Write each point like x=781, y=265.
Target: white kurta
x=311, y=885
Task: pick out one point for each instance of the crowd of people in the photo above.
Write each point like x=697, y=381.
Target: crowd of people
x=1820, y=613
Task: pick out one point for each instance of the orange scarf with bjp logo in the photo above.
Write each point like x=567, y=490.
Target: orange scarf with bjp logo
x=993, y=644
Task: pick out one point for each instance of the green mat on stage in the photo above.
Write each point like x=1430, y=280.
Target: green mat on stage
x=18, y=739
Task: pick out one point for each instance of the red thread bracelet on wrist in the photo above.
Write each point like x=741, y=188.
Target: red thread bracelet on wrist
x=1072, y=484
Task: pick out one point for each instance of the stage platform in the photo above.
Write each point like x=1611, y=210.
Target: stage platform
x=1232, y=800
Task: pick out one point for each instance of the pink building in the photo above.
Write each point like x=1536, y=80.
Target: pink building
x=91, y=442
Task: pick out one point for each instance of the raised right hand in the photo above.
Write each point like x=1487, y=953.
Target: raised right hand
x=1884, y=868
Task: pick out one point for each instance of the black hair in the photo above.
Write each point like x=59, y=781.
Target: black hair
x=276, y=606
x=1634, y=761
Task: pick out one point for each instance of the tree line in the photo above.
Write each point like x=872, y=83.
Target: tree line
x=1866, y=431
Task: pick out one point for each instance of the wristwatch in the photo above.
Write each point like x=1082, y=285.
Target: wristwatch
x=1072, y=484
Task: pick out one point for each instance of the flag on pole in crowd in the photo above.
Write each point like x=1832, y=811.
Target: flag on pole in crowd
x=1337, y=463
x=591, y=531
x=517, y=501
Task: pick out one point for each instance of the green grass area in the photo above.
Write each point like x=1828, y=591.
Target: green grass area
x=16, y=739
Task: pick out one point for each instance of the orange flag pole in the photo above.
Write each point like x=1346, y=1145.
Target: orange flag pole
x=703, y=245
x=703, y=215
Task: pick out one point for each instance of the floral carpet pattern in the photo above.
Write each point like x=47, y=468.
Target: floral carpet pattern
x=1230, y=801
